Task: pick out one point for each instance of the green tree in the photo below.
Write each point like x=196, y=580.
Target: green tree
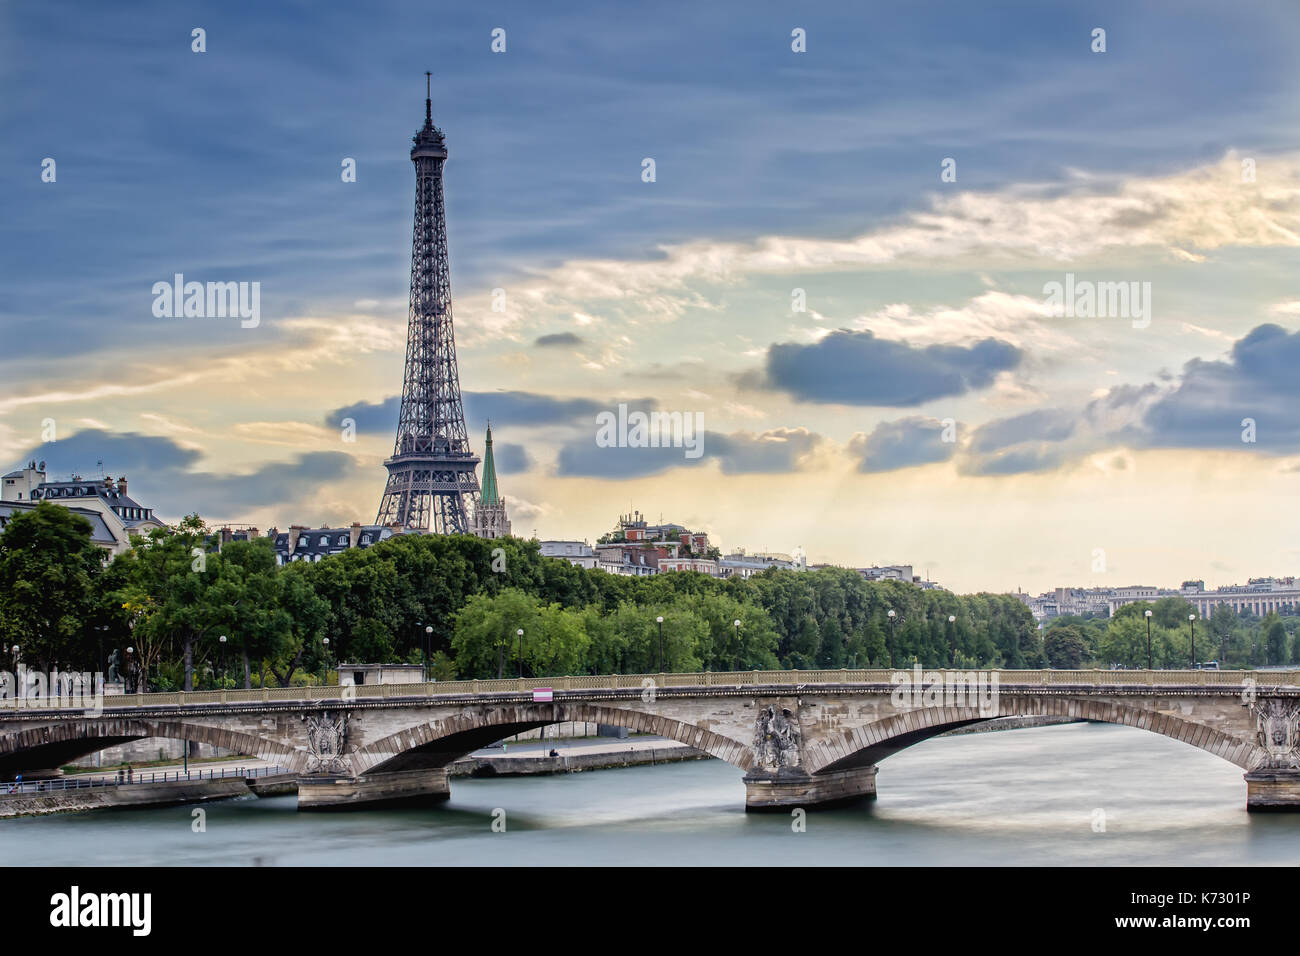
x=1065, y=648
x=49, y=574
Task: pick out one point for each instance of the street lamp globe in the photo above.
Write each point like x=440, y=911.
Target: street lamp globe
x=659, y=620
x=222, y=639
x=1146, y=613
x=952, y=618
x=519, y=633
x=891, y=612
x=428, y=629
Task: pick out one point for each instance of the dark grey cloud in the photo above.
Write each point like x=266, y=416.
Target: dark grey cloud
x=160, y=476
x=1016, y=461
x=773, y=452
x=1260, y=380
x=507, y=409
x=583, y=458
x=368, y=416
x=511, y=459
x=558, y=339
x=741, y=453
x=1048, y=424
x=902, y=444
x=1207, y=407
x=856, y=368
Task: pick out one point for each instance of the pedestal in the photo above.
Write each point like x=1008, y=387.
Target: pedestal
x=788, y=788
x=1271, y=791
x=405, y=788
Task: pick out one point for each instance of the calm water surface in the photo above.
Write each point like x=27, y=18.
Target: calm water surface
x=1014, y=797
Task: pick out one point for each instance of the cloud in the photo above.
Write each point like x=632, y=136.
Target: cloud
x=1015, y=319
x=510, y=458
x=1015, y=461
x=368, y=416
x=1019, y=226
x=857, y=368
x=558, y=339
x=903, y=443
x=1048, y=424
x=161, y=476
x=508, y=409
x=1258, y=381
x=1213, y=405
x=777, y=451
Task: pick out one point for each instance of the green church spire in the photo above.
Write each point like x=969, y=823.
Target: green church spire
x=489, y=494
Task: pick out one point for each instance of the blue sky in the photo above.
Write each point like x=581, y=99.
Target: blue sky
x=774, y=170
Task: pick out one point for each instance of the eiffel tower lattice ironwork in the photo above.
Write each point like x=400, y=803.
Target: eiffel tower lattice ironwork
x=432, y=479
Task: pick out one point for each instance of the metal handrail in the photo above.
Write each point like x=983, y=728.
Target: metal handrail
x=15, y=788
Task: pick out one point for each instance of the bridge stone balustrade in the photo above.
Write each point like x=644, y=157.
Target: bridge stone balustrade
x=801, y=738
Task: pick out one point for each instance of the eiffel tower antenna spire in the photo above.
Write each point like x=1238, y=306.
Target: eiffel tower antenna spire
x=432, y=477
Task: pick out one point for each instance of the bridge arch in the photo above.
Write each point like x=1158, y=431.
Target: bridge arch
x=438, y=742
x=48, y=746
x=873, y=742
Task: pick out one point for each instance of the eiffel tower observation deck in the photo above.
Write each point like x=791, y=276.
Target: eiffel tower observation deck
x=432, y=480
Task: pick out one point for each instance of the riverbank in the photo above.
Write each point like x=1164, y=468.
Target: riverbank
x=136, y=796
x=572, y=757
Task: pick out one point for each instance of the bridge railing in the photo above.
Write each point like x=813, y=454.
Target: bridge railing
x=720, y=679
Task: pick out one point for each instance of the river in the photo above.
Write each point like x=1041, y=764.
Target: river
x=1014, y=797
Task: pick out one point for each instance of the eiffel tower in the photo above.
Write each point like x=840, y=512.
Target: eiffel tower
x=432, y=480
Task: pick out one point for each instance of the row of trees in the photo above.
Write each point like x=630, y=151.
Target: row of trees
x=1233, y=640
x=458, y=602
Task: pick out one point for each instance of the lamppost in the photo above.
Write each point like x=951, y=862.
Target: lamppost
x=428, y=639
x=18, y=690
x=736, y=625
x=892, y=615
x=221, y=658
x=660, y=619
x=100, y=631
x=1191, y=621
x=132, y=684
x=1148, y=617
x=952, y=632
x=520, y=634
x=324, y=678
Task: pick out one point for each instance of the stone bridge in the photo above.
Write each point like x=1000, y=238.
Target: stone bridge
x=801, y=738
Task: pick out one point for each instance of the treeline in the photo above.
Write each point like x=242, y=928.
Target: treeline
x=460, y=601
x=1235, y=641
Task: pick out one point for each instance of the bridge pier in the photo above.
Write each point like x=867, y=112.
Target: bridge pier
x=402, y=788
x=791, y=787
x=1273, y=790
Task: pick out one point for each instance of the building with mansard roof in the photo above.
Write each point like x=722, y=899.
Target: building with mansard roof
x=114, y=515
